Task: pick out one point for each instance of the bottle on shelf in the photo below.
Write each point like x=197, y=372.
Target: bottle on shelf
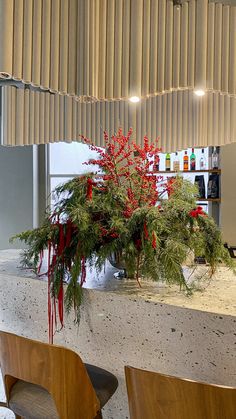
x=185, y=161
x=215, y=159
x=168, y=162
x=176, y=163
x=192, y=160
x=156, y=163
x=213, y=186
x=203, y=165
x=200, y=183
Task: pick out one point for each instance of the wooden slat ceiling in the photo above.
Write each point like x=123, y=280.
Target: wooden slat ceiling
x=113, y=49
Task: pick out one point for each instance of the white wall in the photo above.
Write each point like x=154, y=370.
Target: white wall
x=16, y=192
x=228, y=193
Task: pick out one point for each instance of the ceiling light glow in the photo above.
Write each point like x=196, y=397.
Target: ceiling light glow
x=199, y=92
x=134, y=99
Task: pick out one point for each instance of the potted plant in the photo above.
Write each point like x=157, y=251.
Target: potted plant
x=122, y=211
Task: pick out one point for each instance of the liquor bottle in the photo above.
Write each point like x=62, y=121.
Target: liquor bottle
x=203, y=161
x=185, y=160
x=214, y=159
x=192, y=160
x=168, y=162
x=213, y=186
x=176, y=164
x=200, y=183
x=156, y=163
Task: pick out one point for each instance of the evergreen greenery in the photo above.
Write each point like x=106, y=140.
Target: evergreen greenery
x=124, y=212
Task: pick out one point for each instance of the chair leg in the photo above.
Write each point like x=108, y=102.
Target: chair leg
x=18, y=417
x=99, y=415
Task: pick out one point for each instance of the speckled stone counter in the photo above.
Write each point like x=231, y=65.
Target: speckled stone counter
x=156, y=328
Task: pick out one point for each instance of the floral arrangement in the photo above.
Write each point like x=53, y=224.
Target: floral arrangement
x=121, y=211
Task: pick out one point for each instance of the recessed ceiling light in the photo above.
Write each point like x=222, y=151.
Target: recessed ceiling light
x=199, y=92
x=134, y=99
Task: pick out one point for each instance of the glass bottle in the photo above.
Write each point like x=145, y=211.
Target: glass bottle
x=214, y=159
x=185, y=160
x=176, y=163
x=168, y=162
x=202, y=161
x=192, y=160
x=156, y=164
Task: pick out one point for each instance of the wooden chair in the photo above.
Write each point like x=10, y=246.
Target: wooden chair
x=45, y=381
x=156, y=396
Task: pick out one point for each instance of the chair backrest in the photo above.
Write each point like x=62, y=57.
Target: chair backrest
x=57, y=369
x=156, y=396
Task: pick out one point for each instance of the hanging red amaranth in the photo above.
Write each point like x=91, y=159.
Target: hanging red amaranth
x=50, y=311
x=55, y=251
x=68, y=232
x=90, y=184
x=138, y=244
x=145, y=230
x=60, y=297
x=60, y=304
x=40, y=261
x=154, y=240
x=61, y=239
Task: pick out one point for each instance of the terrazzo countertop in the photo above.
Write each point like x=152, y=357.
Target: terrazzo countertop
x=155, y=327
x=217, y=294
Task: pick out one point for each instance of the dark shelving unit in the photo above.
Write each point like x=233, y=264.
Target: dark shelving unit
x=186, y=171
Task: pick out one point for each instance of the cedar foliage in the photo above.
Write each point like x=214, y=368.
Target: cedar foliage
x=124, y=212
